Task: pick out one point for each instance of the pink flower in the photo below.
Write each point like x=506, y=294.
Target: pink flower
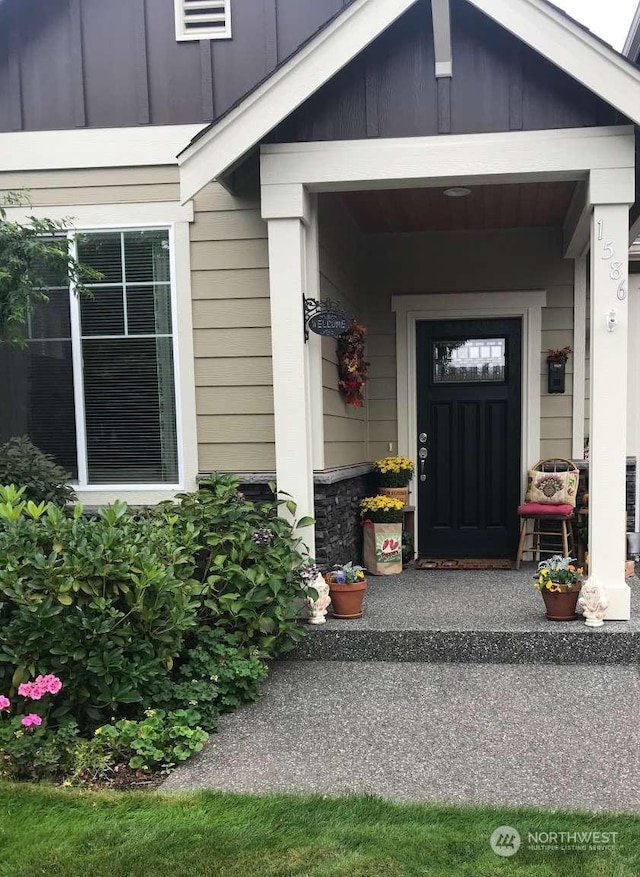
x=42, y=685
x=31, y=719
x=32, y=690
x=5, y=703
x=51, y=682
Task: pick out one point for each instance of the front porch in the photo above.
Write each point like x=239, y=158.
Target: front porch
x=531, y=274
x=458, y=617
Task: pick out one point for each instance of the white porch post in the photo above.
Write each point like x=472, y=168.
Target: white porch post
x=608, y=404
x=287, y=222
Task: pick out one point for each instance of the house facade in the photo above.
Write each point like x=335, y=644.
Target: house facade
x=459, y=174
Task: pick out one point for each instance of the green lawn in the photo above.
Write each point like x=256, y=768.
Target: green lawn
x=64, y=833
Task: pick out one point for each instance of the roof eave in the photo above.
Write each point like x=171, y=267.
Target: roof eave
x=537, y=23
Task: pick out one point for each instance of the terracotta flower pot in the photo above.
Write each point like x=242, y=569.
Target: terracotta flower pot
x=561, y=606
x=401, y=493
x=346, y=600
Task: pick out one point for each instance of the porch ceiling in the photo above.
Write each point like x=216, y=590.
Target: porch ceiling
x=523, y=205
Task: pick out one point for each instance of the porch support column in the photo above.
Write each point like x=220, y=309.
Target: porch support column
x=288, y=223
x=608, y=403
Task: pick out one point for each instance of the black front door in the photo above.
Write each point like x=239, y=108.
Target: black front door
x=469, y=428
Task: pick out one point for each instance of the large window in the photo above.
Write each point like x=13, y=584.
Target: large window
x=95, y=385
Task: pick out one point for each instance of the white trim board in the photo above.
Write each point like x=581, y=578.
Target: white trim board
x=536, y=23
x=93, y=147
x=411, y=309
x=580, y=292
x=513, y=156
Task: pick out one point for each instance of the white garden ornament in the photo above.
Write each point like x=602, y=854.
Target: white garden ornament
x=594, y=604
x=318, y=608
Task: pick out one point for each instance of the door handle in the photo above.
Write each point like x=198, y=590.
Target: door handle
x=422, y=455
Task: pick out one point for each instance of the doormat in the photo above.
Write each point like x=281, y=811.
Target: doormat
x=467, y=563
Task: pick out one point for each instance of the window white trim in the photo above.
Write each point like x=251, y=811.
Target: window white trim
x=213, y=26
x=78, y=382
x=184, y=378
x=411, y=309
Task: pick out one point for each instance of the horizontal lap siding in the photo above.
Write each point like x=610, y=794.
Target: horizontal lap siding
x=232, y=334
x=345, y=428
x=131, y=185
x=557, y=410
x=467, y=262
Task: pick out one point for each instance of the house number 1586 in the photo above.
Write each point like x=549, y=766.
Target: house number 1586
x=615, y=267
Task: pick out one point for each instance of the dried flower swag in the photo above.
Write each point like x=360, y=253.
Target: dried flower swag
x=352, y=368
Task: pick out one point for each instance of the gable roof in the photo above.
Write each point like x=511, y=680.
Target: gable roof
x=632, y=43
x=537, y=23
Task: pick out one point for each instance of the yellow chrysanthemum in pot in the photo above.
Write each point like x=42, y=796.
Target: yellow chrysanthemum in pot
x=394, y=471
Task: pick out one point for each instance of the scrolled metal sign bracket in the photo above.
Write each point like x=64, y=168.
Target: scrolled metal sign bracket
x=326, y=317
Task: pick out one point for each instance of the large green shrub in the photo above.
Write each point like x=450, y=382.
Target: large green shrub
x=125, y=605
x=249, y=565
x=21, y=463
x=102, y=603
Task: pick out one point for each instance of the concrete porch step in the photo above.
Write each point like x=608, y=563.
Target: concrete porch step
x=467, y=617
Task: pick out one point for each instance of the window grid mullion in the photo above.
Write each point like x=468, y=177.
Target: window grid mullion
x=78, y=375
x=124, y=286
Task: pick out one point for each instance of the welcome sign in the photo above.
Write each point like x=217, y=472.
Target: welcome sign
x=329, y=323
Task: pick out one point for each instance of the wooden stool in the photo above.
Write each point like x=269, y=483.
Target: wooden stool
x=539, y=514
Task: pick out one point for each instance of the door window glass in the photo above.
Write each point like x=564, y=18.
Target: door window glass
x=474, y=361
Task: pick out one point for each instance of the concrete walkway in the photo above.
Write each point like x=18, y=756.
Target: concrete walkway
x=548, y=736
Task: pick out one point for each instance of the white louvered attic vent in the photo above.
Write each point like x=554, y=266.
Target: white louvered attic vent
x=203, y=19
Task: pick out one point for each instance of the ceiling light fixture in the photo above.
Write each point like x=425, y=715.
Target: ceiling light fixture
x=457, y=192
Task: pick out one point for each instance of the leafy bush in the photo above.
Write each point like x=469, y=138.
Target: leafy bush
x=176, y=606
x=160, y=740
x=22, y=464
x=104, y=603
x=249, y=565
x=214, y=677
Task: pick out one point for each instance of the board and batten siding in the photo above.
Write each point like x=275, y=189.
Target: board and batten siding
x=232, y=334
x=345, y=427
x=498, y=261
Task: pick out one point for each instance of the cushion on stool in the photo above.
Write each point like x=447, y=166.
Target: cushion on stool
x=543, y=510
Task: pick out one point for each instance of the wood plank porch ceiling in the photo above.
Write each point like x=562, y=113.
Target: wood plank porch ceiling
x=524, y=205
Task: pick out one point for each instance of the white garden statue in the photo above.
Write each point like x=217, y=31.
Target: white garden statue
x=594, y=604
x=318, y=607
